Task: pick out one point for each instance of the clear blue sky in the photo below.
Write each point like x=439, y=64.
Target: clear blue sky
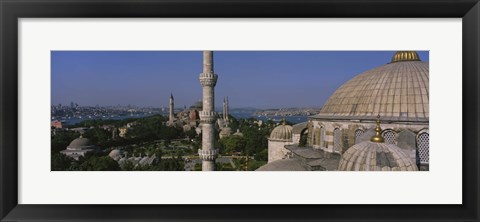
x=261, y=79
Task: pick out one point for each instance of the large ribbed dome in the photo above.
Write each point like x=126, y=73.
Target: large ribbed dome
x=396, y=91
x=371, y=156
x=282, y=133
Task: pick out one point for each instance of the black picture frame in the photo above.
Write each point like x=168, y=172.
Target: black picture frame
x=11, y=11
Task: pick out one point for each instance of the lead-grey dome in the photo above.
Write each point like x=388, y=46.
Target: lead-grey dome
x=282, y=133
x=284, y=165
x=396, y=91
x=115, y=154
x=80, y=143
x=371, y=156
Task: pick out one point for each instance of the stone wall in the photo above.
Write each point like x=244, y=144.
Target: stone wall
x=405, y=134
x=276, y=150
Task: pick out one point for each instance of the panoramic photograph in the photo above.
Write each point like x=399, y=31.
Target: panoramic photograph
x=239, y=111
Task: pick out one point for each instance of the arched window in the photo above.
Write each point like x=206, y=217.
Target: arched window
x=303, y=137
x=423, y=147
x=310, y=132
x=390, y=136
x=314, y=136
x=317, y=136
x=322, y=137
x=336, y=140
x=358, y=133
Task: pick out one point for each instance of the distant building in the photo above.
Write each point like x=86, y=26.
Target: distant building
x=122, y=159
x=78, y=147
x=122, y=131
x=56, y=124
x=238, y=133
x=186, y=119
x=171, y=116
x=223, y=123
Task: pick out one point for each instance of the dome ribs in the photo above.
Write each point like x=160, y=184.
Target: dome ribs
x=397, y=91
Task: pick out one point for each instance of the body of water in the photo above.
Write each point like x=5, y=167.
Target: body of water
x=75, y=120
x=238, y=115
x=292, y=119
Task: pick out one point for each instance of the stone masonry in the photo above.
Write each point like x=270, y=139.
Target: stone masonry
x=208, y=80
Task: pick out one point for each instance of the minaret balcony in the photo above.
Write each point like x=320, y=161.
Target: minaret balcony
x=207, y=117
x=208, y=79
x=208, y=155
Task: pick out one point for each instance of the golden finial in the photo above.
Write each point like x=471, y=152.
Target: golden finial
x=378, y=138
x=283, y=120
x=405, y=56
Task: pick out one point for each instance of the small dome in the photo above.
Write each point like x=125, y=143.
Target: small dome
x=282, y=133
x=371, y=156
x=238, y=133
x=115, y=154
x=197, y=105
x=80, y=143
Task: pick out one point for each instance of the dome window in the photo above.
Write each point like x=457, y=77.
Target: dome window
x=322, y=137
x=423, y=147
x=390, y=136
x=336, y=140
x=358, y=133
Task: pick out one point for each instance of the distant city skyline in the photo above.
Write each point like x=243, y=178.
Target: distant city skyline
x=257, y=79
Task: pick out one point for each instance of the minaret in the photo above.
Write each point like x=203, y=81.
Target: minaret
x=170, y=117
x=226, y=109
x=208, y=80
x=223, y=113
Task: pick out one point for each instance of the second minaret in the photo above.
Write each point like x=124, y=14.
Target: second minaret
x=171, y=115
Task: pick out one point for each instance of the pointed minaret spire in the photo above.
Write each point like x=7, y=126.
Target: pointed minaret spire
x=171, y=116
x=226, y=109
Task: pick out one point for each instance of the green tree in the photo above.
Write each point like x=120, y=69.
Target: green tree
x=262, y=155
x=191, y=134
x=60, y=162
x=128, y=166
x=102, y=163
x=99, y=136
x=233, y=144
x=61, y=140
